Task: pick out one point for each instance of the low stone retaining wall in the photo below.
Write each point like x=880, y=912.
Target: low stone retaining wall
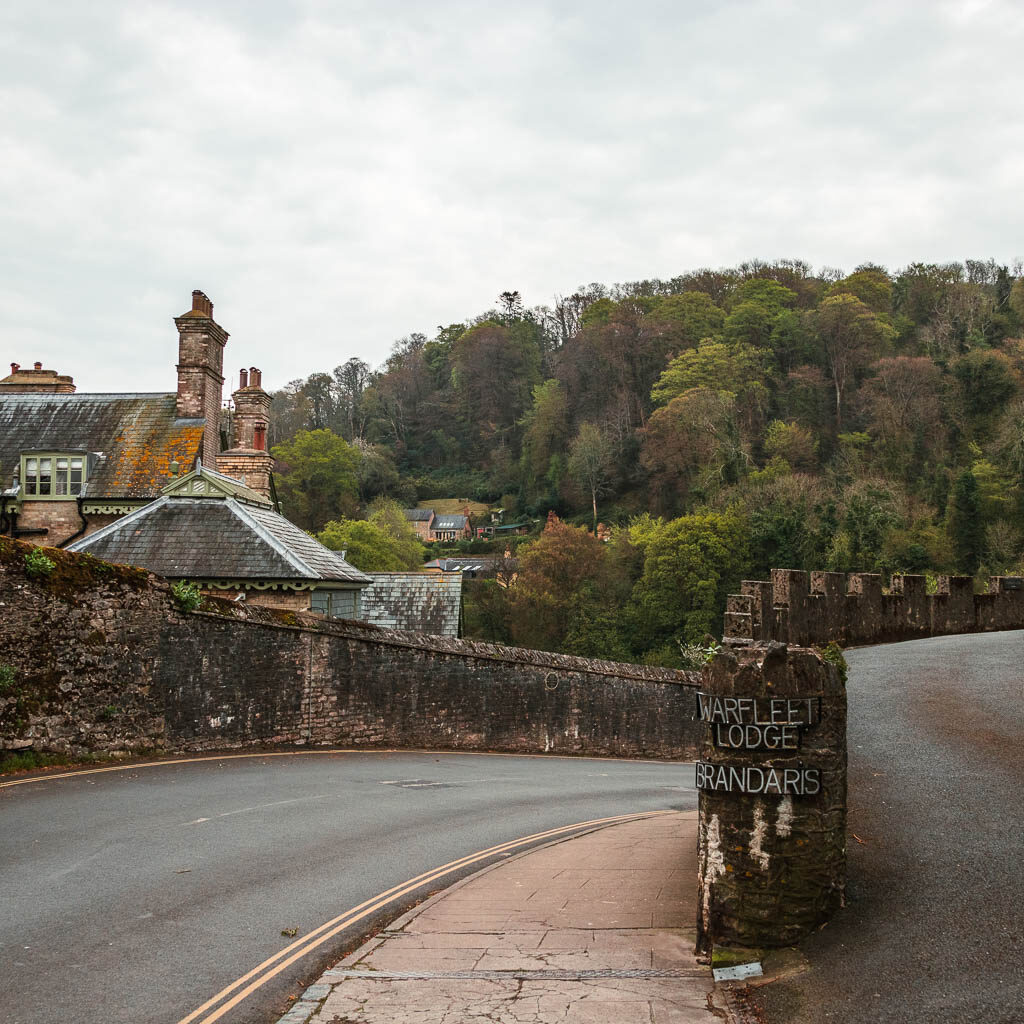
x=104, y=661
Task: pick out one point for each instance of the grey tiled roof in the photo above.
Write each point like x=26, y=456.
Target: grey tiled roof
x=329, y=564
x=139, y=435
x=449, y=522
x=217, y=538
x=417, y=601
x=418, y=515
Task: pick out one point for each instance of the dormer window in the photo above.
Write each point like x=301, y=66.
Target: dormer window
x=53, y=475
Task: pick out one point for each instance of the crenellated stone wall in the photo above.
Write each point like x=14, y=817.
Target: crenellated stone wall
x=803, y=608
x=105, y=661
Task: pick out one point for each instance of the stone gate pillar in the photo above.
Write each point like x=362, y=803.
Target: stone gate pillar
x=772, y=783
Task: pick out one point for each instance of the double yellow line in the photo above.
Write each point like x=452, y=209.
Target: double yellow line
x=282, y=960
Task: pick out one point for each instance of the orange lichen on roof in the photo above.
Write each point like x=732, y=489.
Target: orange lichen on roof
x=144, y=461
x=135, y=438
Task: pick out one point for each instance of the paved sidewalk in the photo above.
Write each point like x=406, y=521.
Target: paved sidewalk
x=519, y=941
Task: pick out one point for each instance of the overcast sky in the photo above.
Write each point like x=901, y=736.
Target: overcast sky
x=338, y=175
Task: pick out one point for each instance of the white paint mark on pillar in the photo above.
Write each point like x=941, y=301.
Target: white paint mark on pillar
x=757, y=837
x=713, y=864
x=784, y=822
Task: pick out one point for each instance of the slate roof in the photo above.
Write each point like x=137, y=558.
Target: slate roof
x=418, y=515
x=449, y=522
x=481, y=563
x=217, y=538
x=417, y=601
x=138, y=436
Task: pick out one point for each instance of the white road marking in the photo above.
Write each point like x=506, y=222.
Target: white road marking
x=258, y=807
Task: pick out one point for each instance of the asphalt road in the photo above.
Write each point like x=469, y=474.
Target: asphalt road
x=934, y=928
x=134, y=896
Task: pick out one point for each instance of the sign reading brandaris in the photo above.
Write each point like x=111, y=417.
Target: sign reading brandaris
x=766, y=781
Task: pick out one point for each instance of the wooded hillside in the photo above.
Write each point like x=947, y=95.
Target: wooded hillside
x=727, y=421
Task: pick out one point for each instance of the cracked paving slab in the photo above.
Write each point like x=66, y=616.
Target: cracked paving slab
x=611, y=900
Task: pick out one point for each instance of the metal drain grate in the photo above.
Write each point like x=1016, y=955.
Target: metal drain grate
x=543, y=975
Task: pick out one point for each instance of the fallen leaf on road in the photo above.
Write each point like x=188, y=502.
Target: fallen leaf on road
x=182, y=871
x=858, y=838
x=289, y=933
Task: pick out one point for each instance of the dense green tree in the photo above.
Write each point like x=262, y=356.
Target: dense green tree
x=966, y=523
x=987, y=382
x=494, y=370
x=871, y=285
x=867, y=513
x=545, y=431
x=903, y=398
x=1016, y=300
x=737, y=370
x=384, y=542
x=765, y=292
x=851, y=336
x=554, y=571
x=687, y=318
x=318, y=477
x=750, y=323
x=795, y=444
x=590, y=462
x=792, y=340
x=690, y=565
x=694, y=441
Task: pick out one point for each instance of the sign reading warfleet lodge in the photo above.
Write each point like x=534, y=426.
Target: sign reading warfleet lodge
x=770, y=724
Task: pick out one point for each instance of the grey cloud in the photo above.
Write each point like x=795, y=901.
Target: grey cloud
x=336, y=176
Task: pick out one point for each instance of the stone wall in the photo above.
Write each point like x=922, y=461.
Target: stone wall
x=815, y=608
x=104, y=661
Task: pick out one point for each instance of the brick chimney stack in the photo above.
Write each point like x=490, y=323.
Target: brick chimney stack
x=36, y=381
x=201, y=344
x=248, y=459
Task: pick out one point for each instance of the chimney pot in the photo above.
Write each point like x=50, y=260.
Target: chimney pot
x=243, y=378
x=259, y=378
x=38, y=365
x=15, y=367
x=201, y=303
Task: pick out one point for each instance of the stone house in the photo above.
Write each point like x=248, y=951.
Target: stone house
x=451, y=527
x=72, y=463
x=228, y=538
x=420, y=519
x=431, y=526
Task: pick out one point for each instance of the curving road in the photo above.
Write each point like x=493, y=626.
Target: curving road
x=934, y=929
x=135, y=895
